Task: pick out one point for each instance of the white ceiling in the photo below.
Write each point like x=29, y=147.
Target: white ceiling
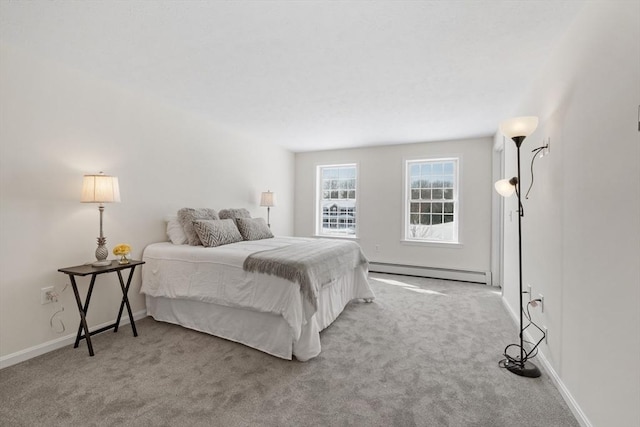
x=309, y=75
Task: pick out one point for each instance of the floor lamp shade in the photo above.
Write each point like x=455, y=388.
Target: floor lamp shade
x=505, y=188
x=519, y=126
x=100, y=189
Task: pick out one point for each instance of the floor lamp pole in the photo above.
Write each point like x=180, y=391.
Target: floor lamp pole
x=521, y=367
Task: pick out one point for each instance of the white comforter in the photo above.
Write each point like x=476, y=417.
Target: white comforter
x=215, y=275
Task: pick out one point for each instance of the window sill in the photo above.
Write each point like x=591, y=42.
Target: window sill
x=442, y=245
x=331, y=236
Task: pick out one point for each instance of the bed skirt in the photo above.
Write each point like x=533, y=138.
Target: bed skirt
x=267, y=332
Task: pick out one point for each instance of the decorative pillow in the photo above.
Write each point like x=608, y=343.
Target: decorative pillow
x=175, y=233
x=217, y=232
x=234, y=214
x=254, y=228
x=186, y=216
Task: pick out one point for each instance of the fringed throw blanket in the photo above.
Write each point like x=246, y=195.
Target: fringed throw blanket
x=310, y=264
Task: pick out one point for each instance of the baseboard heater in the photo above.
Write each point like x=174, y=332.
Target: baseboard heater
x=483, y=277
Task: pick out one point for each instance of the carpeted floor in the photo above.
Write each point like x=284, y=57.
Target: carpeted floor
x=425, y=353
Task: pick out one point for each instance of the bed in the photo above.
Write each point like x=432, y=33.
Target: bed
x=218, y=291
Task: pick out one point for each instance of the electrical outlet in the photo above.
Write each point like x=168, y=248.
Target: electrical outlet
x=541, y=298
x=44, y=297
x=548, y=149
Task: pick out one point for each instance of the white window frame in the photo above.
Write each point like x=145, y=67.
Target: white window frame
x=408, y=236
x=319, y=201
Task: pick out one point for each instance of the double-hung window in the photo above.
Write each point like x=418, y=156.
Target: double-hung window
x=337, y=191
x=431, y=200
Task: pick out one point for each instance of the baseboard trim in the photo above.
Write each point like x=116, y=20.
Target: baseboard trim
x=483, y=277
x=40, y=349
x=576, y=410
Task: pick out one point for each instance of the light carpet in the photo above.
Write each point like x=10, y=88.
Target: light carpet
x=424, y=353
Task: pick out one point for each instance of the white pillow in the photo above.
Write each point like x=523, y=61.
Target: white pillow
x=175, y=233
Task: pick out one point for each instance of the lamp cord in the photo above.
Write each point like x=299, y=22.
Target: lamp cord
x=535, y=155
x=61, y=328
x=510, y=360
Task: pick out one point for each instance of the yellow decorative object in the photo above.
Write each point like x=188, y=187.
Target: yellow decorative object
x=122, y=250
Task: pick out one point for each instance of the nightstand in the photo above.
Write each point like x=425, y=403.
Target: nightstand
x=86, y=270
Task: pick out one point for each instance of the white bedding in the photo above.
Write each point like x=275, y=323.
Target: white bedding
x=215, y=276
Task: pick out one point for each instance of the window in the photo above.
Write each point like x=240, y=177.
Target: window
x=431, y=200
x=337, y=200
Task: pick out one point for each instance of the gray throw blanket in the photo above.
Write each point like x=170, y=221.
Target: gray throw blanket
x=310, y=264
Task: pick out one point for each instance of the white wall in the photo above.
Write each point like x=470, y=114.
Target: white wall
x=57, y=124
x=581, y=237
x=380, y=201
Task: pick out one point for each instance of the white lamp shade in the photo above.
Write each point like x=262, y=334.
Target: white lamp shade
x=505, y=188
x=519, y=126
x=268, y=199
x=100, y=189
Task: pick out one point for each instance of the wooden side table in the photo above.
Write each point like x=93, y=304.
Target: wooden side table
x=86, y=270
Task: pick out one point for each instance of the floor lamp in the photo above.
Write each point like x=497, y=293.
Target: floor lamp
x=518, y=129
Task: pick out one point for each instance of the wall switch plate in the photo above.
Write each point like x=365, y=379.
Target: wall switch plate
x=44, y=299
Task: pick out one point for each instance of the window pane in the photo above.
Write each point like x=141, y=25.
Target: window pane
x=330, y=173
x=425, y=169
x=436, y=219
x=425, y=207
x=343, y=173
x=437, y=195
x=415, y=194
x=425, y=194
x=448, y=218
x=415, y=207
x=438, y=169
x=352, y=194
x=436, y=207
x=448, y=194
x=424, y=219
x=415, y=170
x=448, y=208
x=448, y=168
x=415, y=218
x=334, y=194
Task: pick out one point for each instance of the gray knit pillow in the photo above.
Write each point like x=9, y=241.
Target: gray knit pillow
x=217, y=232
x=254, y=228
x=234, y=214
x=186, y=216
